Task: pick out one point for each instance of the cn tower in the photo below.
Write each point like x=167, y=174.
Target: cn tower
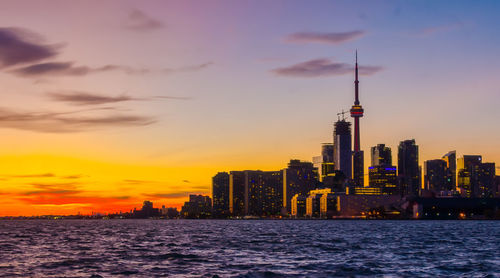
x=357, y=154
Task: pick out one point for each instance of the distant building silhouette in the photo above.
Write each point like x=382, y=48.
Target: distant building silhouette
x=237, y=193
x=170, y=213
x=382, y=174
x=451, y=170
x=381, y=155
x=255, y=193
x=436, y=175
x=342, y=148
x=198, y=206
x=497, y=182
x=220, y=195
x=475, y=178
x=146, y=211
x=384, y=177
x=467, y=165
x=263, y=196
x=298, y=178
x=298, y=206
x=409, y=172
x=324, y=162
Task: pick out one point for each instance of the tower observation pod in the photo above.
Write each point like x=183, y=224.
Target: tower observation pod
x=356, y=113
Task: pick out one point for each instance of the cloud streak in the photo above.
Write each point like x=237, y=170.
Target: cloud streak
x=70, y=69
x=89, y=98
x=321, y=68
x=86, y=98
x=437, y=29
x=18, y=46
x=137, y=20
x=326, y=38
x=168, y=195
x=67, y=122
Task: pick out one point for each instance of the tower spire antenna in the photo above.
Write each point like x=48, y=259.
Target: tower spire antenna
x=356, y=113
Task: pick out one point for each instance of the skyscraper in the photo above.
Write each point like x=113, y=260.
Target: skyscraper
x=342, y=153
x=451, y=169
x=220, y=195
x=465, y=166
x=237, y=193
x=475, y=178
x=383, y=177
x=409, y=173
x=298, y=178
x=356, y=113
x=381, y=155
x=382, y=174
x=263, y=193
x=435, y=175
x=324, y=162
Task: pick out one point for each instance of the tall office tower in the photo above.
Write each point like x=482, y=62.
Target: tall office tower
x=451, y=169
x=324, y=163
x=409, y=172
x=382, y=174
x=497, y=186
x=298, y=178
x=381, y=155
x=237, y=193
x=466, y=165
x=475, y=178
x=220, y=195
x=484, y=180
x=342, y=154
x=357, y=155
x=435, y=175
x=263, y=194
x=385, y=178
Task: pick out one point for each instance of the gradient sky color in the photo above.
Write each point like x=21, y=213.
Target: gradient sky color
x=135, y=100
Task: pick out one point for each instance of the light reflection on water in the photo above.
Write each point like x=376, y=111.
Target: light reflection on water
x=254, y=248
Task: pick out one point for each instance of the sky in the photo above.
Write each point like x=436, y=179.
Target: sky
x=104, y=104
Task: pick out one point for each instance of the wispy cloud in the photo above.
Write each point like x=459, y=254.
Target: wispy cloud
x=44, y=175
x=24, y=53
x=86, y=98
x=90, y=98
x=49, y=69
x=425, y=32
x=322, y=67
x=327, y=38
x=18, y=46
x=41, y=175
x=168, y=195
x=137, y=20
x=65, y=122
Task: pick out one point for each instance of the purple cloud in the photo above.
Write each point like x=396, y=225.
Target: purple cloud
x=139, y=21
x=437, y=29
x=328, y=38
x=19, y=46
x=322, y=67
x=67, y=122
x=86, y=98
x=69, y=69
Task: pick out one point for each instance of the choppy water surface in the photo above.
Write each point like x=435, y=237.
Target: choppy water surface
x=152, y=248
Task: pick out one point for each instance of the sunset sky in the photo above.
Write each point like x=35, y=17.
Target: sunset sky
x=104, y=104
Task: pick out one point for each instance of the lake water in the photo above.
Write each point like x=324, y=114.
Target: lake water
x=253, y=248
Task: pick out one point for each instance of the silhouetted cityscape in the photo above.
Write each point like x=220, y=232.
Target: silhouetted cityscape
x=333, y=185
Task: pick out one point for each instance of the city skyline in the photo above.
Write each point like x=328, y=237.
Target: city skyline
x=102, y=130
